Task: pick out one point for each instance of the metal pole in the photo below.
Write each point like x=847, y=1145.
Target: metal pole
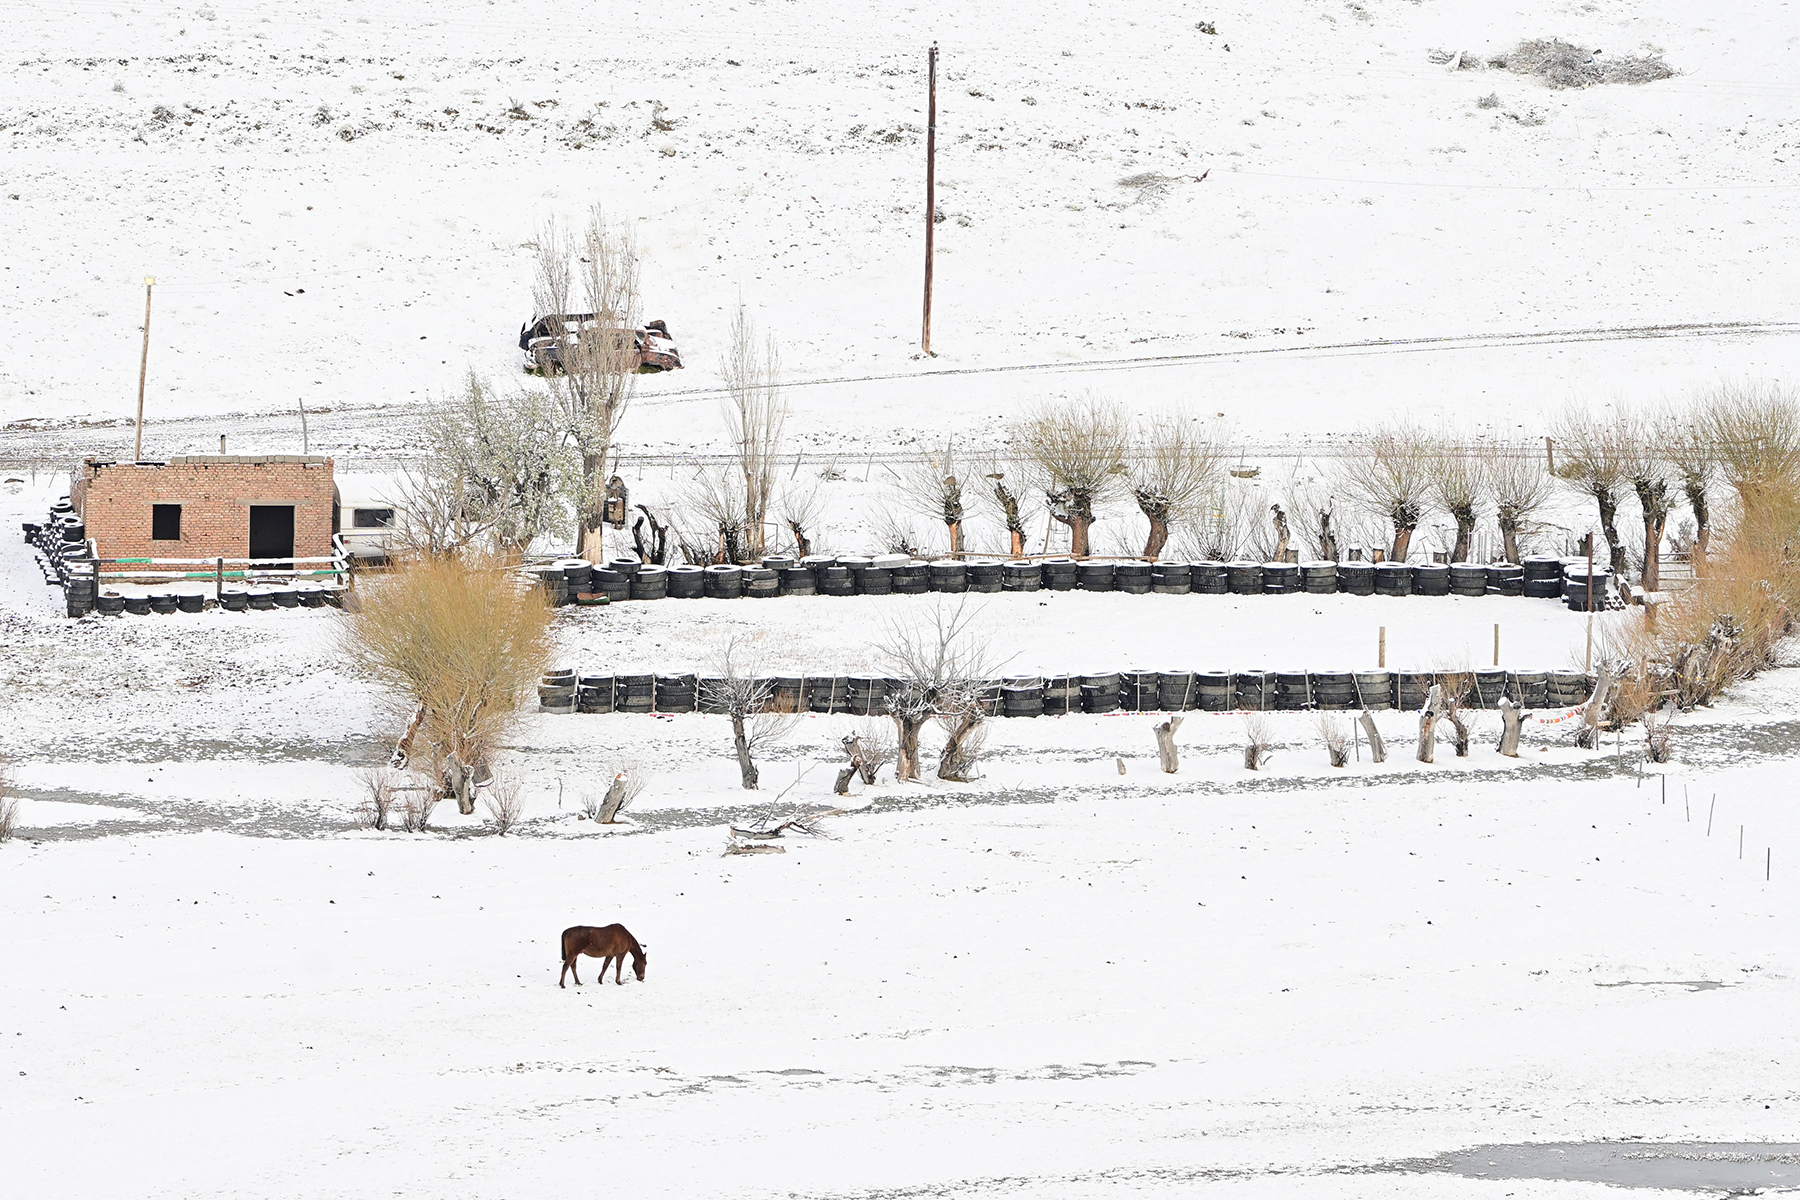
x=930, y=194
x=143, y=369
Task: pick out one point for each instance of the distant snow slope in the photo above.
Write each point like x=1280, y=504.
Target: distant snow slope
x=394, y=162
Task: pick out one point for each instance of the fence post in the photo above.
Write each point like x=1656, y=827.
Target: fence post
x=219, y=581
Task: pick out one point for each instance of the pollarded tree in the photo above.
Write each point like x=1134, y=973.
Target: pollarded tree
x=1686, y=439
x=742, y=692
x=1755, y=428
x=944, y=666
x=1003, y=491
x=1174, y=467
x=1459, y=485
x=1521, y=489
x=1075, y=450
x=935, y=485
x=1388, y=474
x=594, y=275
x=1592, y=457
x=1648, y=473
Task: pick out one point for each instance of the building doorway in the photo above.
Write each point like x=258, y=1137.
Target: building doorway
x=272, y=534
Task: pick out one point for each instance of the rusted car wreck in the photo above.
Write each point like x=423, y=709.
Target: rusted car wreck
x=547, y=341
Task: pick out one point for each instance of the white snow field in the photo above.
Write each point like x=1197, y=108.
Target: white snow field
x=1076, y=977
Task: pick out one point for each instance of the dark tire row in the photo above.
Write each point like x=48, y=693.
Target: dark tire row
x=576, y=580
x=1055, y=695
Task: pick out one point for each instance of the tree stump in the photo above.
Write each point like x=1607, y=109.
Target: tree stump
x=1512, y=719
x=1428, y=719
x=615, y=799
x=1165, y=745
x=1588, y=737
x=1377, y=748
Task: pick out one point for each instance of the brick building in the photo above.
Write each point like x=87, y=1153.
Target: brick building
x=274, y=506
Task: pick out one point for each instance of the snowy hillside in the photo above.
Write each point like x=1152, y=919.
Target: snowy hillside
x=337, y=202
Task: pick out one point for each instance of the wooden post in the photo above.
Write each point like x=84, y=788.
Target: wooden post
x=1550, y=454
x=930, y=194
x=1381, y=650
x=221, y=443
x=1434, y=702
x=219, y=580
x=1588, y=659
x=1496, y=643
x=143, y=369
x=305, y=437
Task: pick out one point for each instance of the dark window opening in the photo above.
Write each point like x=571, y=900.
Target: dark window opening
x=165, y=522
x=373, y=518
x=272, y=532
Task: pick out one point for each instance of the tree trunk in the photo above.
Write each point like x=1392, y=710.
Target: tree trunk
x=1696, y=498
x=956, y=538
x=957, y=761
x=1465, y=534
x=593, y=511
x=1159, y=536
x=1165, y=745
x=1653, y=536
x=1328, y=547
x=1512, y=718
x=403, y=747
x=1281, y=533
x=802, y=543
x=740, y=742
x=1078, y=535
x=1402, y=543
x=1461, y=741
x=615, y=799
x=1509, y=537
x=1434, y=702
x=460, y=778
x=906, y=750
x=1589, y=736
x=1018, y=542
x=1609, y=525
x=844, y=776
x=1377, y=748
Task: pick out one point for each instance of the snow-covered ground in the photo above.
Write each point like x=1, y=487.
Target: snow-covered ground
x=1061, y=980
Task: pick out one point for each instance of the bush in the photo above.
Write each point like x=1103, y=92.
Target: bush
x=459, y=643
x=1562, y=64
x=9, y=806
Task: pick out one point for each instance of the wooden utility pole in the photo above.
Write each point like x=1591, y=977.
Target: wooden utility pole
x=930, y=193
x=143, y=369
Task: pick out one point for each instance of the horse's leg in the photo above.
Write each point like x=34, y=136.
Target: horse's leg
x=619, y=972
x=575, y=967
x=564, y=975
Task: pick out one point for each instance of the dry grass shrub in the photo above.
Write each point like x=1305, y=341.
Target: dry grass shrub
x=1563, y=64
x=1257, y=746
x=461, y=640
x=9, y=805
x=505, y=803
x=1334, y=731
x=416, y=805
x=378, y=797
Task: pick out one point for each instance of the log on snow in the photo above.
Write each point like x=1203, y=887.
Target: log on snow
x=1165, y=745
x=1377, y=748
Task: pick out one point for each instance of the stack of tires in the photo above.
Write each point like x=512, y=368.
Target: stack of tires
x=1490, y=685
x=1059, y=574
x=795, y=580
x=1095, y=576
x=1333, y=691
x=1213, y=691
x=676, y=693
x=1568, y=688
x=1022, y=696
x=761, y=583
x=594, y=694
x=1356, y=578
x=1280, y=578
x=578, y=575
x=555, y=582
x=1138, y=691
x=1100, y=693
x=1393, y=579
x=686, y=583
x=1175, y=691
x=1412, y=690
x=1468, y=579
x=110, y=604
x=1531, y=688
x=1581, y=591
x=1208, y=578
x=1171, y=579
x=854, y=566
x=724, y=582
x=830, y=694
x=1133, y=578
x=1062, y=694
x=1433, y=579
x=612, y=583
x=1319, y=577
x=1293, y=691
x=948, y=575
x=985, y=577
x=556, y=691
x=1255, y=690
x=1374, y=690
x=1505, y=579
x=634, y=694
x=868, y=695
x=1541, y=577
x=1020, y=576
x=836, y=580
x=651, y=582
x=1244, y=578
x=912, y=578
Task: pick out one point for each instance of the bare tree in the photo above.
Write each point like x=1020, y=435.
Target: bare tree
x=1591, y=458
x=1312, y=510
x=935, y=485
x=435, y=513
x=9, y=805
x=896, y=535
x=378, y=786
x=1334, y=731
x=506, y=447
x=755, y=416
x=869, y=748
x=1458, y=485
x=717, y=507
x=800, y=509
x=1391, y=479
x=505, y=803
x=1176, y=467
x=1257, y=747
x=1689, y=443
x=1648, y=473
x=741, y=692
x=1004, y=492
x=1521, y=489
x=592, y=276
x=1076, y=451
x=944, y=665
x=1756, y=430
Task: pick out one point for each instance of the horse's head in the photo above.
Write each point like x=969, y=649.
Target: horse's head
x=639, y=962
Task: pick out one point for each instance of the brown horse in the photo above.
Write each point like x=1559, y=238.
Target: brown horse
x=608, y=945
